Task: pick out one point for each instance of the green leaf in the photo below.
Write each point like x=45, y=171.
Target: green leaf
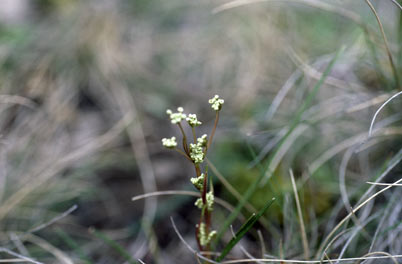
x=116, y=246
x=73, y=245
x=243, y=230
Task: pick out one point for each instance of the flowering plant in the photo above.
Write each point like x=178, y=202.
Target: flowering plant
x=195, y=152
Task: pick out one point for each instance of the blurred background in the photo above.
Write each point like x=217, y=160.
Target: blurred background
x=84, y=90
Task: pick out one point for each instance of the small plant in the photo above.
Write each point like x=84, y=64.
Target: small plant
x=196, y=152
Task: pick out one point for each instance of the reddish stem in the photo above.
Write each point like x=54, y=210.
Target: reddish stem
x=213, y=132
x=194, y=135
x=184, y=154
x=185, y=146
x=204, y=190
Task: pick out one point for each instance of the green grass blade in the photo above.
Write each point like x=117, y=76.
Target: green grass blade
x=249, y=192
x=239, y=234
x=243, y=230
x=73, y=245
x=391, y=228
x=261, y=169
x=116, y=246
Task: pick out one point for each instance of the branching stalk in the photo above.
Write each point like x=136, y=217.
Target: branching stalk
x=185, y=146
x=196, y=154
x=183, y=153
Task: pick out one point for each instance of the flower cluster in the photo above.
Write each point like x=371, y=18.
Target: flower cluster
x=202, y=141
x=192, y=120
x=197, y=153
x=210, y=202
x=216, y=103
x=176, y=118
x=169, y=142
x=205, y=238
x=198, y=182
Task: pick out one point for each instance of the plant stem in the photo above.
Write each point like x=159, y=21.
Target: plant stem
x=194, y=135
x=185, y=146
x=213, y=132
x=197, y=169
x=184, y=154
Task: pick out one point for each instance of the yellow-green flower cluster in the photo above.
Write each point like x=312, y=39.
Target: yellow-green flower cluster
x=196, y=150
x=216, y=103
x=176, y=118
x=169, y=142
x=192, y=120
x=197, y=153
x=198, y=182
x=199, y=203
x=210, y=201
x=202, y=141
x=203, y=236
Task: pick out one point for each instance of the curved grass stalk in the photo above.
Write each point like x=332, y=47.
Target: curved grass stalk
x=391, y=61
x=378, y=111
x=320, y=250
